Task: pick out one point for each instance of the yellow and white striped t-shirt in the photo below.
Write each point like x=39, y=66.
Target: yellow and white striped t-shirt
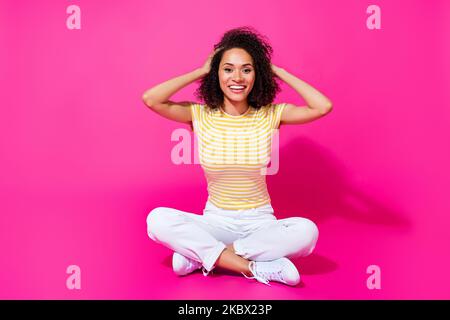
x=233, y=150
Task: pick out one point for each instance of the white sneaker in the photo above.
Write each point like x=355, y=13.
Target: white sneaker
x=182, y=265
x=280, y=270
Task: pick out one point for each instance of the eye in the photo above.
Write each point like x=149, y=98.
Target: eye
x=245, y=70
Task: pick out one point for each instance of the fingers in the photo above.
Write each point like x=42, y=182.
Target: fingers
x=219, y=48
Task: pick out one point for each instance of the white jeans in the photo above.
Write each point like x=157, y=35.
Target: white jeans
x=256, y=234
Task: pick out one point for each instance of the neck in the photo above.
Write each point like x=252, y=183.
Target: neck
x=235, y=108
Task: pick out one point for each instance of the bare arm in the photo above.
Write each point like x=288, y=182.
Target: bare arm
x=157, y=97
x=318, y=105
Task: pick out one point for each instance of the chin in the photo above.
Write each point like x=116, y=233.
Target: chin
x=243, y=98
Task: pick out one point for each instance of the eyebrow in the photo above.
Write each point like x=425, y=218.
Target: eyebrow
x=245, y=64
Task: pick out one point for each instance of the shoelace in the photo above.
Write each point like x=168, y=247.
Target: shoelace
x=258, y=278
x=263, y=275
x=204, y=271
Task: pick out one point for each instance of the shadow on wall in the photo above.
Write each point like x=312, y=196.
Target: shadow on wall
x=310, y=183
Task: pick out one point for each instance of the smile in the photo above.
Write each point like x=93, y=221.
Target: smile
x=237, y=89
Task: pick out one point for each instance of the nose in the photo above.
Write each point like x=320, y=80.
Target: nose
x=237, y=77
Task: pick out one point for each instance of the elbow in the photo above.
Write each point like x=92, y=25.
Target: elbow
x=328, y=108
x=147, y=100
x=325, y=110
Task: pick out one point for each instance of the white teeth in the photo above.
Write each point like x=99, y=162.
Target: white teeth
x=237, y=87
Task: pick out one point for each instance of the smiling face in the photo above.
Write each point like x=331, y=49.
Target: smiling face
x=236, y=74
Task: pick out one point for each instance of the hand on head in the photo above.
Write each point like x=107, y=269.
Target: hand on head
x=207, y=65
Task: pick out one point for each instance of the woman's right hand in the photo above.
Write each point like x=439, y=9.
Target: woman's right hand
x=207, y=65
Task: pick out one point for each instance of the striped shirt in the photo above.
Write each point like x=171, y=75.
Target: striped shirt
x=233, y=152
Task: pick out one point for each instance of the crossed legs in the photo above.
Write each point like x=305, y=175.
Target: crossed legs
x=229, y=260
x=206, y=241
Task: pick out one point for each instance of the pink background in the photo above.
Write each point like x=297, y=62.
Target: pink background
x=83, y=161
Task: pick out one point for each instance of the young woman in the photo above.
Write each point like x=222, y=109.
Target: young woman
x=238, y=230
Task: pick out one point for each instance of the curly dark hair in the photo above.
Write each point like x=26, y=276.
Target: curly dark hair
x=265, y=87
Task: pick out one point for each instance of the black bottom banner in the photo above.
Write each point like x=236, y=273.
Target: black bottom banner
x=224, y=309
